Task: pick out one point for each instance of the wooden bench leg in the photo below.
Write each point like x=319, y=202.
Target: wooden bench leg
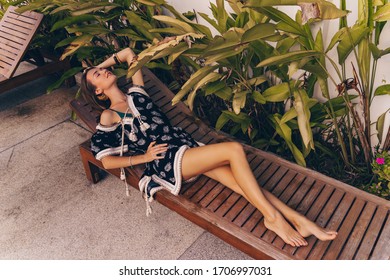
x=91, y=170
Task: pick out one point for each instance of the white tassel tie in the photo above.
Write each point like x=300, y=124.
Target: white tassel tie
x=123, y=174
x=148, y=207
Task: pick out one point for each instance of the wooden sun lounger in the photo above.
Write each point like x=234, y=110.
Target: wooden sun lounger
x=361, y=219
x=16, y=33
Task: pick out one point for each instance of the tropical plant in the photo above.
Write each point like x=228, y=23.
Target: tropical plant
x=362, y=41
x=95, y=29
x=270, y=108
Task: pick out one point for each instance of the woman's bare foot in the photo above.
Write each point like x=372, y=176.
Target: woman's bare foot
x=283, y=229
x=306, y=228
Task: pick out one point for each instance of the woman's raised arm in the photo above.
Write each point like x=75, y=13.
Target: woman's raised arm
x=127, y=55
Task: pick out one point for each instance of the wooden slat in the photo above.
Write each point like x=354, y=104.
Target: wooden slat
x=357, y=234
x=283, y=183
x=7, y=60
x=382, y=247
x=20, y=30
x=334, y=223
x=5, y=37
x=230, y=202
x=300, y=194
x=218, y=200
x=372, y=234
x=4, y=53
x=345, y=230
x=10, y=49
x=13, y=33
x=275, y=179
x=29, y=17
x=190, y=192
x=202, y=192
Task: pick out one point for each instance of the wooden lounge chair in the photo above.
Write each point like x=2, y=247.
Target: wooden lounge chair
x=16, y=32
x=361, y=219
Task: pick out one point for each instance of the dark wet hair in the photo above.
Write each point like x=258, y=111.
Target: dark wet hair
x=88, y=93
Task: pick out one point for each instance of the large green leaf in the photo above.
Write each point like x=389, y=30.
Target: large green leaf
x=288, y=57
x=292, y=113
x=192, y=81
x=210, y=77
x=383, y=13
x=176, y=23
x=226, y=53
x=242, y=119
x=72, y=20
x=222, y=120
x=219, y=88
x=80, y=41
x=168, y=30
x=152, y=2
x=285, y=132
x=242, y=19
x=201, y=28
x=278, y=93
x=239, y=100
x=301, y=105
x=356, y=33
x=143, y=26
x=382, y=90
x=229, y=39
x=214, y=87
x=380, y=124
x=93, y=29
x=378, y=53
x=336, y=38
x=257, y=32
x=212, y=22
x=258, y=97
x=129, y=33
x=285, y=23
x=222, y=16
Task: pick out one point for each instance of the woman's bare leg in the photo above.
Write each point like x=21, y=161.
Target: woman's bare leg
x=304, y=226
x=199, y=160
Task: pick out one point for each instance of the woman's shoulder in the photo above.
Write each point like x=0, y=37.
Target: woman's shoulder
x=108, y=118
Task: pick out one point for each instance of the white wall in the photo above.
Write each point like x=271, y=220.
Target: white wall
x=330, y=27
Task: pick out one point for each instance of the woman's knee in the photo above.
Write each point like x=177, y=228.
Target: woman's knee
x=236, y=148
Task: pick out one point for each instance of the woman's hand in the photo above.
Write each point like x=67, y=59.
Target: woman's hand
x=151, y=153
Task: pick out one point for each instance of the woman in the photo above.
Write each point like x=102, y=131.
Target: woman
x=172, y=156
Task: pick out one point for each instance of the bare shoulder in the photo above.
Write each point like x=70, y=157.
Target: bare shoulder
x=107, y=117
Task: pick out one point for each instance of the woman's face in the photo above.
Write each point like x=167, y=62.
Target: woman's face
x=101, y=78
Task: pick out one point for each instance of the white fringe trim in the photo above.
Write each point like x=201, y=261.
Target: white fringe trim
x=111, y=151
x=137, y=89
